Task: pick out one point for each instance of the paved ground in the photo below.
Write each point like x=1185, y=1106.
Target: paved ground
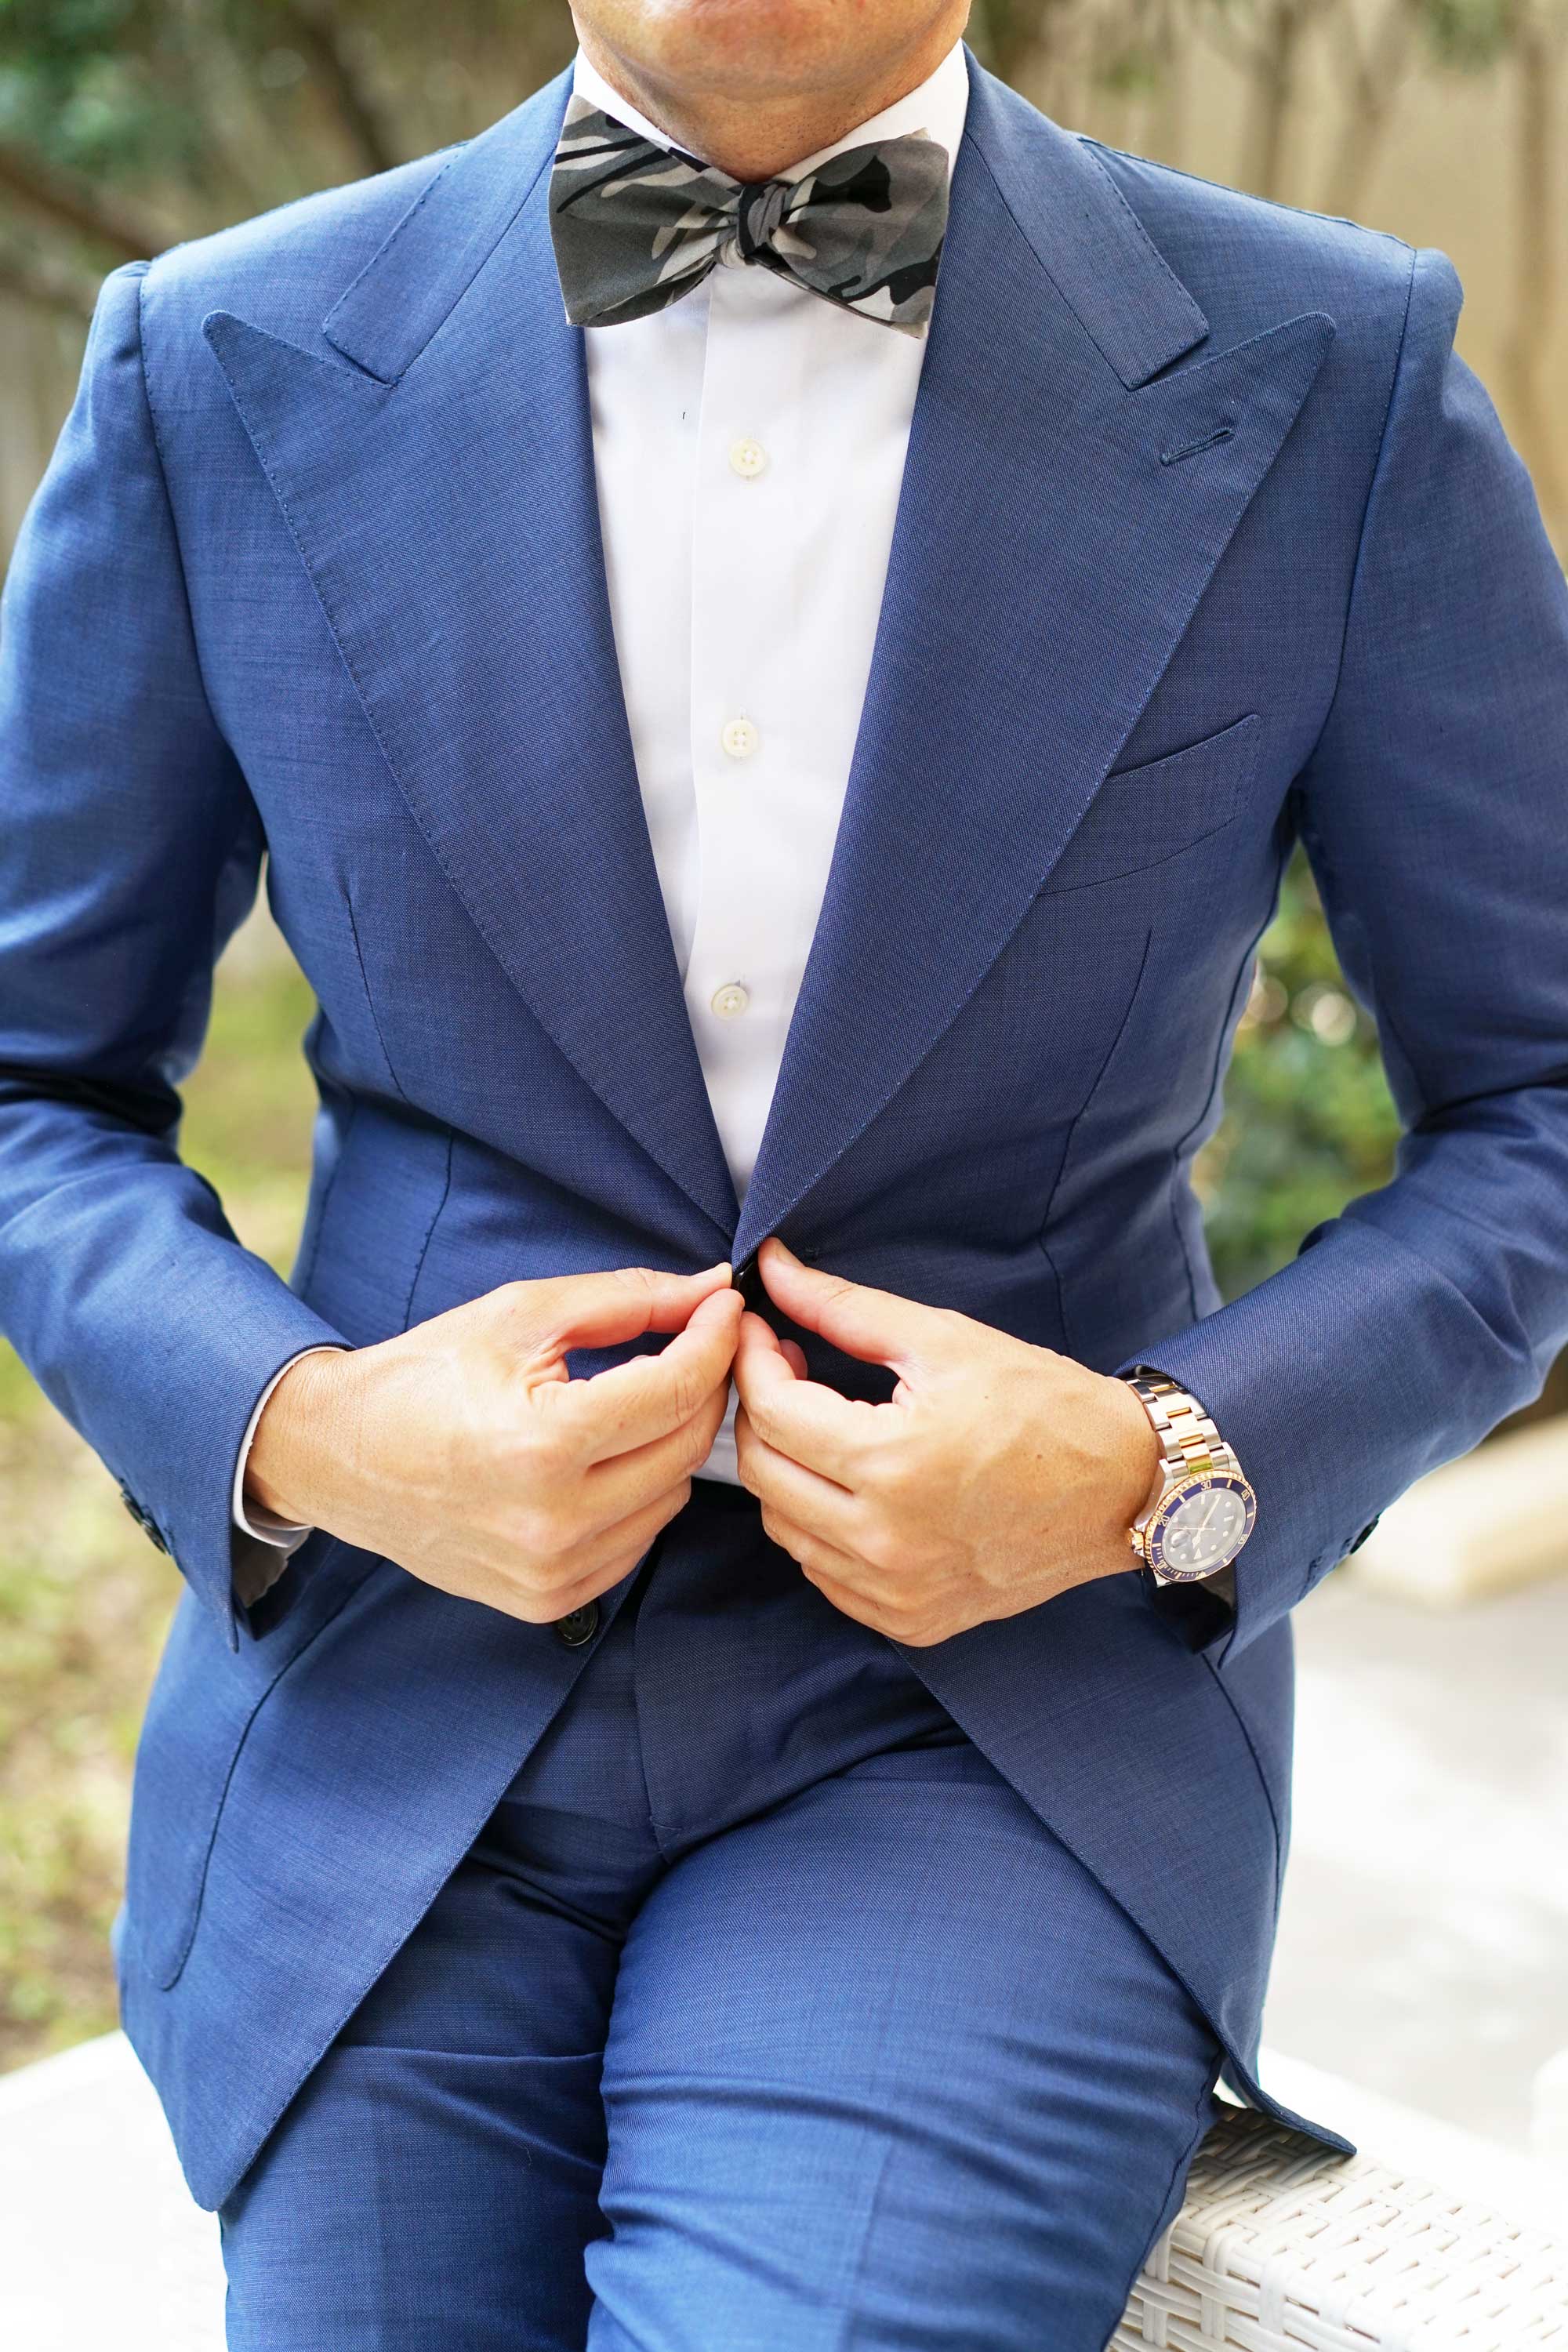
x=1424, y=1941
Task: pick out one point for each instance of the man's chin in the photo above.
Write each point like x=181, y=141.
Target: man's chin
x=754, y=52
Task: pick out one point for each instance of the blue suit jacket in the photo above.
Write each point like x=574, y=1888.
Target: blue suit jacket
x=1208, y=543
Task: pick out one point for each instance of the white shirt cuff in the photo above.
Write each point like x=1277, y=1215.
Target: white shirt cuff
x=251, y=1519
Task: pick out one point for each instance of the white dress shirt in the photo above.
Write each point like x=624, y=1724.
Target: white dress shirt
x=748, y=450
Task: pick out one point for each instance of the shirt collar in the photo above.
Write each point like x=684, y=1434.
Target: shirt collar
x=937, y=107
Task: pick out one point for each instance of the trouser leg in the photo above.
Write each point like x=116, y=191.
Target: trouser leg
x=888, y=2067
x=415, y=2198
x=434, y=2185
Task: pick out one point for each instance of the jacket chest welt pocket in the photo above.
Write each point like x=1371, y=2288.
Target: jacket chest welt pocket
x=1143, y=815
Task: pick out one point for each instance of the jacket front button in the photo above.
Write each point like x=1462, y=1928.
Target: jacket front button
x=579, y=1625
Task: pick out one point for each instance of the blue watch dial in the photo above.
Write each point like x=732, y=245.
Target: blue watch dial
x=1201, y=1526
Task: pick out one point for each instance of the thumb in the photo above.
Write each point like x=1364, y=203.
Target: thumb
x=876, y=1325
x=599, y=1310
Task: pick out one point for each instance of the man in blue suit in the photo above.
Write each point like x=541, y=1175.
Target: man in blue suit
x=721, y=1779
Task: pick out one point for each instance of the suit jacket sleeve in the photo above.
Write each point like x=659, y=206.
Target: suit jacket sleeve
x=129, y=849
x=1434, y=812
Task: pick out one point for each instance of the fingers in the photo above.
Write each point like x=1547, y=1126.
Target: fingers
x=602, y=1560
x=814, y=1424
x=842, y=1582
x=586, y=1573
x=623, y=1484
x=791, y=1350
x=876, y=1325
x=636, y=1402
x=911, y=1630
x=788, y=1490
x=822, y=1563
x=599, y=1310
x=843, y=1597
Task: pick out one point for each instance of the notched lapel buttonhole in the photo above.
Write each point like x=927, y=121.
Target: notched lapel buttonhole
x=1191, y=448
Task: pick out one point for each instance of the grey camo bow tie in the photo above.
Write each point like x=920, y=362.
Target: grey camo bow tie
x=636, y=225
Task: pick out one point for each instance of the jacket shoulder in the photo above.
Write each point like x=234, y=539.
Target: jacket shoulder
x=1249, y=262
x=284, y=269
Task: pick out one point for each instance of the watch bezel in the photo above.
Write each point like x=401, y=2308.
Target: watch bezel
x=1183, y=1491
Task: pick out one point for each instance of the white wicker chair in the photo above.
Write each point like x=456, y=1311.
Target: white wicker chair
x=1283, y=2246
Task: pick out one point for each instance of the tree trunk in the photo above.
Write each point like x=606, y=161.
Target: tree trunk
x=71, y=204
x=1168, y=109
x=46, y=286
x=320, y=36
x=1274, y=76
x=1370, y=103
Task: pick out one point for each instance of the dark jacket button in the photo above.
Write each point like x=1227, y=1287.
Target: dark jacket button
x=144, y=1520
x=579, y=1625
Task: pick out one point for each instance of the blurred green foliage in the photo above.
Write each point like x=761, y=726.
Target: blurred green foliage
x=122, y=119
x=1310, y=1120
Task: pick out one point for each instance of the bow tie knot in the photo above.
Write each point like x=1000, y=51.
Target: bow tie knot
x=760, y=213
x=635, y=225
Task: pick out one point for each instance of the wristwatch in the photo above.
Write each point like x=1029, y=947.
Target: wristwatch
x=1204, y=1510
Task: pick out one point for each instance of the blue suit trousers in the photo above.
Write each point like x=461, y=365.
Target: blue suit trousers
x=762, y=2015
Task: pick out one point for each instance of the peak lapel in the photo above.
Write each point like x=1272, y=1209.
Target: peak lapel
x=1058, y=525
x=440, y=490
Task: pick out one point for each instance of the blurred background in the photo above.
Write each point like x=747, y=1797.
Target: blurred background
x=1424, y=1942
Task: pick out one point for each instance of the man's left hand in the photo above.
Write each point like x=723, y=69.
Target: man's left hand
x=998, y=1475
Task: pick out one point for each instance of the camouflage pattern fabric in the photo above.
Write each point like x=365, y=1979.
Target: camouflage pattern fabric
x=638, y=226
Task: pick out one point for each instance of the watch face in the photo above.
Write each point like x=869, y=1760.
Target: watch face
x=1201, y=1526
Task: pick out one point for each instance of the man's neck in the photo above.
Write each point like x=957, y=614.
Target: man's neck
x=757, y=138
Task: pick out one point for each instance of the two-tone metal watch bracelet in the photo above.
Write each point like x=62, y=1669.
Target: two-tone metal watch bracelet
x=1189, y=1442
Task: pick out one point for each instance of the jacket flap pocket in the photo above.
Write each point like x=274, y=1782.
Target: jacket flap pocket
x=203, y=1704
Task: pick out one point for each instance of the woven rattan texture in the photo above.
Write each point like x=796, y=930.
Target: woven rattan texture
x=1284, y=2247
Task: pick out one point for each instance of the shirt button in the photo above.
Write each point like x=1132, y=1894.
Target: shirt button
x=579, y=1626
x=748, y=458
x=739, y=738
x=730, y=1000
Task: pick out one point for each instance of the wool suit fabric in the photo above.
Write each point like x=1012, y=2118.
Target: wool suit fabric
x=1208, y=545
x=799, y=2036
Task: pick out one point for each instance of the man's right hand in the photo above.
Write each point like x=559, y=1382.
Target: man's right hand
x=461, y=1449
